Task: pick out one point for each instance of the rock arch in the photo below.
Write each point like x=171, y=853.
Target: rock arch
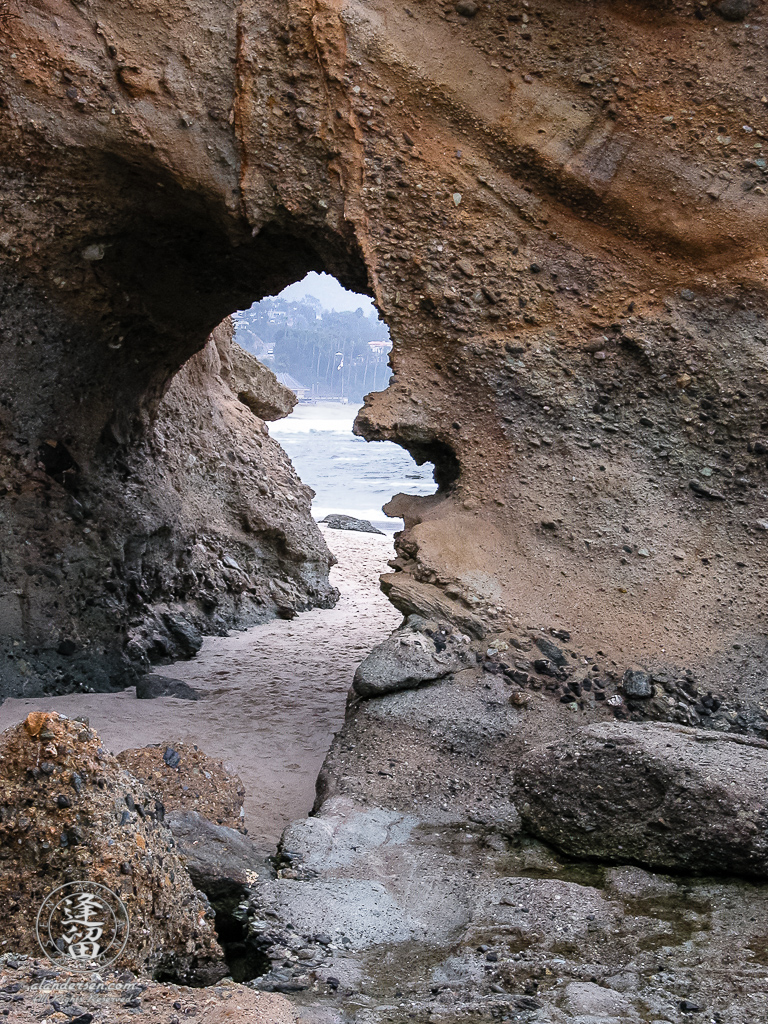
x=574, y=284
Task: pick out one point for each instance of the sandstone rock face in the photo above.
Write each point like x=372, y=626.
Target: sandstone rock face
x=562, y=216
x=255, y=385
x=663, y=795
x=70, y=812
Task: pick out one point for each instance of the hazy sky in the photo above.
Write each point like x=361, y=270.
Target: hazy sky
x=328, y=291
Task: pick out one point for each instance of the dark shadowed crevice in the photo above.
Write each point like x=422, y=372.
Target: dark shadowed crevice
x=245, y=957
x=447, y=466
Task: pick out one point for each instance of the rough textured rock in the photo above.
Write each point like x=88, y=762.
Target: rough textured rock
x=567, y=243
x=220, y=860
x=151, y=686
x=339, y=522
x=70, y=811
x=662, y=795
x=414, y=839
x=188, y=781
x=561, y=213
x=408, y=659
x=255, y=385
x=220, y=533
x=28, y=987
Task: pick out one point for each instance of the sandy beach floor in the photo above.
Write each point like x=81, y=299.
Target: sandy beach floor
x=276, y=693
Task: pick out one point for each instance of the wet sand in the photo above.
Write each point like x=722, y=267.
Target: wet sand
x=276, y=693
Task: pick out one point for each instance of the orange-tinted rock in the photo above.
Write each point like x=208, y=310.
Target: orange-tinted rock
x=195, y=782
x=567, y=240
x=70, y=812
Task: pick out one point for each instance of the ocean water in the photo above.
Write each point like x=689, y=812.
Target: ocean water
x=349, y=475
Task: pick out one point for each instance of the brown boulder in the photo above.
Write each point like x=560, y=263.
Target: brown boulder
x=70, y=812
x=186, y=779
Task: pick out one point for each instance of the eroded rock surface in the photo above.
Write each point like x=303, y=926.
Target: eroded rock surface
x=29, y=988
x=416, y=891
x=188, y=781
x=663, y=795
x=204, y=526
x=561, y=213
x=335, y=521
x=412, y=657
x=70, y=811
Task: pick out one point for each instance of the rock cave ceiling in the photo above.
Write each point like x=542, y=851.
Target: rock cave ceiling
x=560, y=209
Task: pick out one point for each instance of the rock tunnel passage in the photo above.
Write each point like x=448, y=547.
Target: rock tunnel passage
x=557, y=330
x=274, y=695
x=561, y=212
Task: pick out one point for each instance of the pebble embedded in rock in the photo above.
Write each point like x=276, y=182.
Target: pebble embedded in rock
x=689, y=1006
x=706, y=492
x=544, y=667
x=734, y=10
x=172, y=758
x=637, y=684
x=550, y=650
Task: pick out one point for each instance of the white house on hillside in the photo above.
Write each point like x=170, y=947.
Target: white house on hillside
x=300, y=390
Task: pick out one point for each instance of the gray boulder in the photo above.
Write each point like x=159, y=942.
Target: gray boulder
x=661, y=795
x=220, y=860
x=406, y=660
x=336, y=521
x=151, y=686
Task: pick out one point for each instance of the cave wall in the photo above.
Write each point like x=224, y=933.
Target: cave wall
x=561, y=211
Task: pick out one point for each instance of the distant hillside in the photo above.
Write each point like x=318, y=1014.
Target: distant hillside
x=333, y=354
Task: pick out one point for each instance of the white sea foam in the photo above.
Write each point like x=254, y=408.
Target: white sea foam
x=321, y=417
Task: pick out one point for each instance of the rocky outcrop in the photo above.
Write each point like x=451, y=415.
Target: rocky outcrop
x=221, y=861
x=412, y=657
x=203, y=526
x=415, y=883
x=335, y=521
x=70, y=812
x=188, y=781
x=30, y=986
x=566, y=239
x=661, y=795
x=255, y=385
